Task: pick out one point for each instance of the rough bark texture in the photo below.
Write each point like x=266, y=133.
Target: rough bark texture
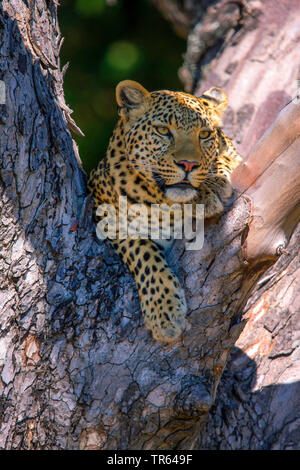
x=258, y=401
x=78, y=368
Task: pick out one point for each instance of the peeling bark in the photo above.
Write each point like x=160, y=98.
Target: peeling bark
x=78, y=369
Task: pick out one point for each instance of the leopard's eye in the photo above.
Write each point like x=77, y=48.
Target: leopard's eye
x=162, y=130
x=204, y=134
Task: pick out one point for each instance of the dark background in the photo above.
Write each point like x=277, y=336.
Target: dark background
x=104, y=45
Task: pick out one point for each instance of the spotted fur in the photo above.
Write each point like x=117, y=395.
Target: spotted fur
x=167, y=147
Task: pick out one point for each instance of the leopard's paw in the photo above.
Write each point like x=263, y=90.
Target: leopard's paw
x=166, y=317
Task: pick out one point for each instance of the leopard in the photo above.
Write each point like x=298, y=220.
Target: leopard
x=167, y=148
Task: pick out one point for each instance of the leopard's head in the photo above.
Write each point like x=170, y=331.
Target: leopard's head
x=172, y=138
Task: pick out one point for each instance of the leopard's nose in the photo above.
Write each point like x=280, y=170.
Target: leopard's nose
x=187, y=165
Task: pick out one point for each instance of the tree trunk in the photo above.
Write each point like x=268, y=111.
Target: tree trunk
x=78, y=368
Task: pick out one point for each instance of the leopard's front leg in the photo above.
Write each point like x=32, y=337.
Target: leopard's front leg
x=161, y=296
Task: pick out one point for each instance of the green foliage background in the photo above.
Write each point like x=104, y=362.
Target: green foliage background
x=104, y=45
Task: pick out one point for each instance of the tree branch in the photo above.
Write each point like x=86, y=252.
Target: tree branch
x=270, y=176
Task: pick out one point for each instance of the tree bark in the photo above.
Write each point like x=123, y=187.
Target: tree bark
x=78, y=368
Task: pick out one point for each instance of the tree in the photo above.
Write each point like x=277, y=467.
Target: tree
x=78, y=368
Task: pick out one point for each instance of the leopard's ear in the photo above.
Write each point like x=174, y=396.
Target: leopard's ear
x=130, y=95
x=217, y=98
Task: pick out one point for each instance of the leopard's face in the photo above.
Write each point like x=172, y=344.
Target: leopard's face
x=172, y=139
